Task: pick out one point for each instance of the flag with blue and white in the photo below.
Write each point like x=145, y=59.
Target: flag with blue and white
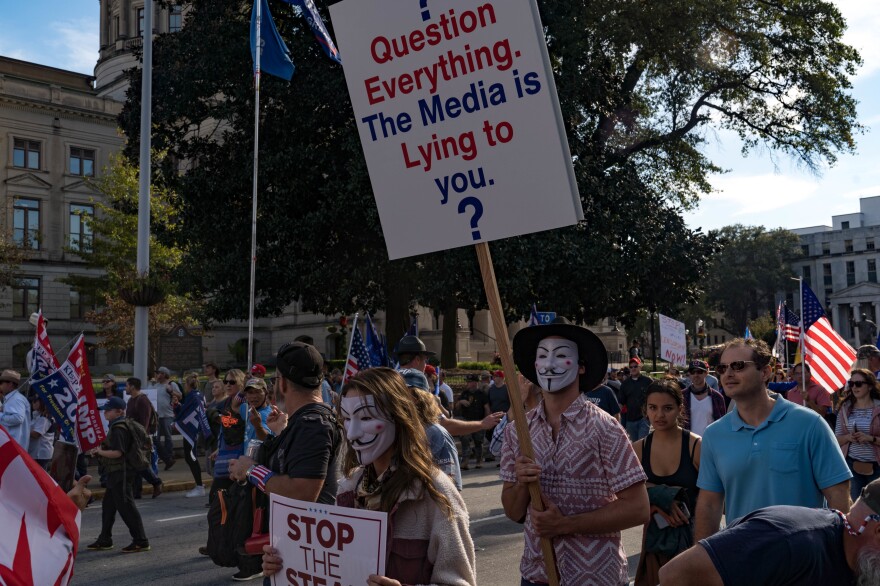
x=358, y=357
x=274, y=55
x=375, y=346
x=310, y=12
x=533, y=318
x=191, y=418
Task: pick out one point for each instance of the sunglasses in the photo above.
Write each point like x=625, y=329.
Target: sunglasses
x=696, y=371
x=857, y=383
x=735, y=366
x=229, y=382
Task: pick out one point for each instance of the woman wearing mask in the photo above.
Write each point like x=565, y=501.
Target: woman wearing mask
x=670, y=456
x=858, y=429
x=389, y=468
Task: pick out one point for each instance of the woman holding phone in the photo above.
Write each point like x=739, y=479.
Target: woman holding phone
x=858, y=429
x=670, y=456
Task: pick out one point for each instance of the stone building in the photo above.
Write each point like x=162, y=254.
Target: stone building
x=840, y=266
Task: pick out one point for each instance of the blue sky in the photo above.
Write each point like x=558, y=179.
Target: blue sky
x=763, y=189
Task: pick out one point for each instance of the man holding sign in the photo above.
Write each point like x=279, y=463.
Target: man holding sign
x=592, y=484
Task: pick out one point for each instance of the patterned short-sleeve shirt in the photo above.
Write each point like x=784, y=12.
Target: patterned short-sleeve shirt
x=590, y=461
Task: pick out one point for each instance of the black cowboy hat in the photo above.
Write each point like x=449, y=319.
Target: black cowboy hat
x=591, y=350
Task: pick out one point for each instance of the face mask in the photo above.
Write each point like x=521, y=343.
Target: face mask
x=556, y=363
x=369, y=432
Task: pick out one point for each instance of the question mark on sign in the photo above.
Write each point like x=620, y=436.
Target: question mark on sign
x=478, y=213
x=423, y=4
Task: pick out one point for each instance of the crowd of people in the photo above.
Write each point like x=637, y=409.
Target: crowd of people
x=793, y=469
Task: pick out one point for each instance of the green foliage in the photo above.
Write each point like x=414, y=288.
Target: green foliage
x=11, y=257
x=641, y=85
x=478, y=366
x=764, y=328
x=752, y=266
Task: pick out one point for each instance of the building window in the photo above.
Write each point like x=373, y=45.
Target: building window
x=80, y=227
x=716, y=339
x=140, y=21
x=828, y=293
x=826, y=274
x=848, y=245
x=850, y=273
x=26, y=223
x=25, y=297
x=826, y=248
x=807, y=275
x=25, y=154
x=869, y=244
x=872, y=271
x=723, y=338
x=82, y=162
x=80, y=304
x=175, y=19
x=805, y=249
x=844, y=225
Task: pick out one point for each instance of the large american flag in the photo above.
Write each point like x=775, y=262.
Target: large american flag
x=829, y=356
x=358, y=357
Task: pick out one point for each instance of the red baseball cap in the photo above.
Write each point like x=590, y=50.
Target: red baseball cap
x=635, y=359
x=498, y=373
x=258, y=369
x=430, y=370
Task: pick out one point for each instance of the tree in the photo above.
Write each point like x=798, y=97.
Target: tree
x=640, y=85
x=11, y=256
x=114, y=250
x=753, y=265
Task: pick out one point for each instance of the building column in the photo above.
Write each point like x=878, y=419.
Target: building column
x=105, y=23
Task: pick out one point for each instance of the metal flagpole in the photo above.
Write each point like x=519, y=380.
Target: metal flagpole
x=142, y=314
x=350, y=340
x=803, y=348
x=784, y=327
x=259, y=51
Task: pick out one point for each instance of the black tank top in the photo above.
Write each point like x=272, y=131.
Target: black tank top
x=685, y=476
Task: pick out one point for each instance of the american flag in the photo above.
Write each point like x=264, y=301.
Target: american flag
x=358, y=357
x=829, y=356
x=792, y=326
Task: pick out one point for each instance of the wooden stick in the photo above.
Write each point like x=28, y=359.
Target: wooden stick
x=487, y=270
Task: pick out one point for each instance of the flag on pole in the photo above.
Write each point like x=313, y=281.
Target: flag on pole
x=533, y=318
x=748, y=334
x=358, y=358
x=375, y=346
x=43, y=359
x=779, y=344
x=792, y=325
x=310, y=12
x=70, y=400
x=275, y=56
x=437, y=382
x=40, y=522
x=828, y=355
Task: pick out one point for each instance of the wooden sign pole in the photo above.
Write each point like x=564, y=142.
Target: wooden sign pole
x=487, y=270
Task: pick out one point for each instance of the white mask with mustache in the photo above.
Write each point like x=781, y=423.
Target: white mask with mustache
x=556, y=363
x=370, y=433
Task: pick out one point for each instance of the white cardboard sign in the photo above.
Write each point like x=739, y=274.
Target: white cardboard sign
x=673, y=340
x=325, y=544
x=459, y=120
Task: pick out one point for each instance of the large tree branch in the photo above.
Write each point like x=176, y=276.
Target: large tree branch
x=608, y=120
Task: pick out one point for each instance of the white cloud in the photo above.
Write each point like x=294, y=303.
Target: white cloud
x=77, y=41
x=863, y=22
x=755, y=194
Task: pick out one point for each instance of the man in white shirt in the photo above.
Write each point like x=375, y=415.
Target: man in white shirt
x=16, y=415
x=702, y=404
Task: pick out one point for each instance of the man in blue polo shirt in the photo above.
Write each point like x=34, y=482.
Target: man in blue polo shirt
x=764, y=452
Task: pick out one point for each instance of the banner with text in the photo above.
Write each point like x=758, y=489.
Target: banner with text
x=459, y=120
x=326, y=544
x=673, y=340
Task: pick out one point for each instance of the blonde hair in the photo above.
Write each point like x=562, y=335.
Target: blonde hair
x=411, y=455
x=239, y=377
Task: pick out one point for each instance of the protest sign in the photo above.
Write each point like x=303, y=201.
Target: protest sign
x=325, y=544
x=673, y=340
x=459, y=120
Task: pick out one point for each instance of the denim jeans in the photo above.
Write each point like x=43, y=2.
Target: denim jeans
x=637, y=429
x=860, y=481
x=477, y=439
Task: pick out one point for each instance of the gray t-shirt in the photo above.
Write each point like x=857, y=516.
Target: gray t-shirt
x=163, y=401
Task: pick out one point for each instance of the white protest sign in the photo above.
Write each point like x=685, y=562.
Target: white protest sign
x=673, y=341
x=459, y=120
x=326, y=545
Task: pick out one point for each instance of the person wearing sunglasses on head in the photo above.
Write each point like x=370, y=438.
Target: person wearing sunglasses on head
x=858, y=429
x=766, y=451
x=788, y=546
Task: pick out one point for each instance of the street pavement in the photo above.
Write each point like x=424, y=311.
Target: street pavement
x=177, y=526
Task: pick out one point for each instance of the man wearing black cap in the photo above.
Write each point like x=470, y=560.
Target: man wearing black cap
x=119, y=497
x=592, y=484
x=302, y=460
x=702, y=404
x=785, y=545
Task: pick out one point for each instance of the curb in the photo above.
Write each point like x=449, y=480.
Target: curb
x=170, y=486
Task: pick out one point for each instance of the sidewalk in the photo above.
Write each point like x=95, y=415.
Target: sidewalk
x=179, y=478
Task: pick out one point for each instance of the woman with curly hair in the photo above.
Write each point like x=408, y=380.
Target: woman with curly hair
x=388, y=468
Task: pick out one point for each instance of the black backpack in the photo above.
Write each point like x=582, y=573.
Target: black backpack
x=230, y=523
x=139, y=453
